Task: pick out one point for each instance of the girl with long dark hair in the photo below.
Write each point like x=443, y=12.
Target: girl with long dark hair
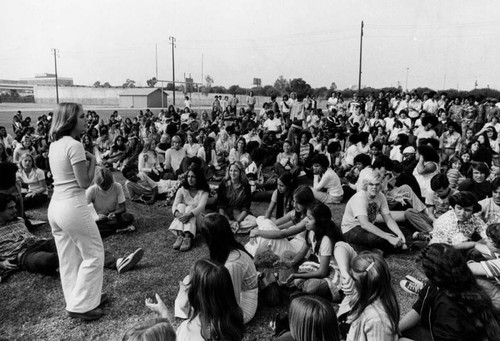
x=319, y=277
x=225, y=249
x=188, y=206
x=214, y=313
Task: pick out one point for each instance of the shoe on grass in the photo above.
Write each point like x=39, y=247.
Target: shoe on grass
x=186, y=244
x=422, y=236
x=130, y=228
x=94, y=314
x=104, y=299
x=411, y=287
x=125, y=264
x=178, y=242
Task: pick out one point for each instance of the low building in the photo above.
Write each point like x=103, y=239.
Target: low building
x=143, y=98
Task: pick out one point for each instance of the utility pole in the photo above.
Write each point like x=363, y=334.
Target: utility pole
x=202, y=68
x=360, y=57
x=156, y=54
x=172, y=42
x=407, y=70
x=55, y=67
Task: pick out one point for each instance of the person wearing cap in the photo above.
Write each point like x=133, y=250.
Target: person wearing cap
x=327, y=187
x=108, y=200
x=409, y=159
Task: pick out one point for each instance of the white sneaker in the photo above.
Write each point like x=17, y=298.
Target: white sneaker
x=125, y=264
x=410, y=287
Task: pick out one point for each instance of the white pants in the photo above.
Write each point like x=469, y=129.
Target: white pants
x=190, y=226
x=80, y=252
x=326, y=198
x=276, y=246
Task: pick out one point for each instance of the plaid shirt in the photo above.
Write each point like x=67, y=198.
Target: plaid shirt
x=14, y=238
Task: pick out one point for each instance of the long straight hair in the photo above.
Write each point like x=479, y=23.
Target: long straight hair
x=64, y=120
x=220, y=238
x=208, y=294
x=324, y=226
x=372, y=281
x=312, y=318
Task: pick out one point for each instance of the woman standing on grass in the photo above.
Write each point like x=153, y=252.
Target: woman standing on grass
x=79, y=244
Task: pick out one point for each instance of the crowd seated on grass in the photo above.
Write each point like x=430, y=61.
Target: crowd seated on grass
x=415, y=171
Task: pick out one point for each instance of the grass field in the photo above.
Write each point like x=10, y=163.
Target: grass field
x=33, y=305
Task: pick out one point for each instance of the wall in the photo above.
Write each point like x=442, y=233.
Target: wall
x=84, y=95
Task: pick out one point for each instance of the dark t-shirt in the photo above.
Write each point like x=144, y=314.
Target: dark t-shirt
x=481, y=191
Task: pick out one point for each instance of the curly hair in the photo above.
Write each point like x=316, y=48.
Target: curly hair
x=446, y=268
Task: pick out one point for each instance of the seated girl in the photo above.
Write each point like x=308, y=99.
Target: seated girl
x=188, y=206
x=214, y=313
x=109, y=202
x=451, y=306
x=234, y=197
x=374, y=309
x=224, y=248
x=273, y=235
x=317, y=277
x=28, y=174
x=311, y=318
x=282, y=197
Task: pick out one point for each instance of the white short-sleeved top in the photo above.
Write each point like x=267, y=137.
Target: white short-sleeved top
x=358, y=205
x=108, y=201
x=63, y=154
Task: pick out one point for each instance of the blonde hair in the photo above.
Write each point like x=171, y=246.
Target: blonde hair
x=25, y=156
x=375, y=175
x=64, y=120
x=313, y=319
x=243, y=176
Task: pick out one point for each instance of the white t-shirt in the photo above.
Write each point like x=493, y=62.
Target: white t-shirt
x=272, y=125
x=329, y=181
x=63, y=154
x=33, y=179
x=108, y=201
x=359, y=205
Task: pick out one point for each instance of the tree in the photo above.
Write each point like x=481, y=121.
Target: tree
x=129, y=83
x=106, y=85
x=300, y=86
x=235, y=89
x=97, y=84
x=333, y=86
x=282, y=85
x=322, y=92
x=152, y=82
x=269, y=90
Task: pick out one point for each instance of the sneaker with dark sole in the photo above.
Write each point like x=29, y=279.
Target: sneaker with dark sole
x=410, y=287
x=422, y=236
x=125, y=264
x=92, y=315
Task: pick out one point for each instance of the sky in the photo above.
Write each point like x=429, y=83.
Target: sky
x=439, y=44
